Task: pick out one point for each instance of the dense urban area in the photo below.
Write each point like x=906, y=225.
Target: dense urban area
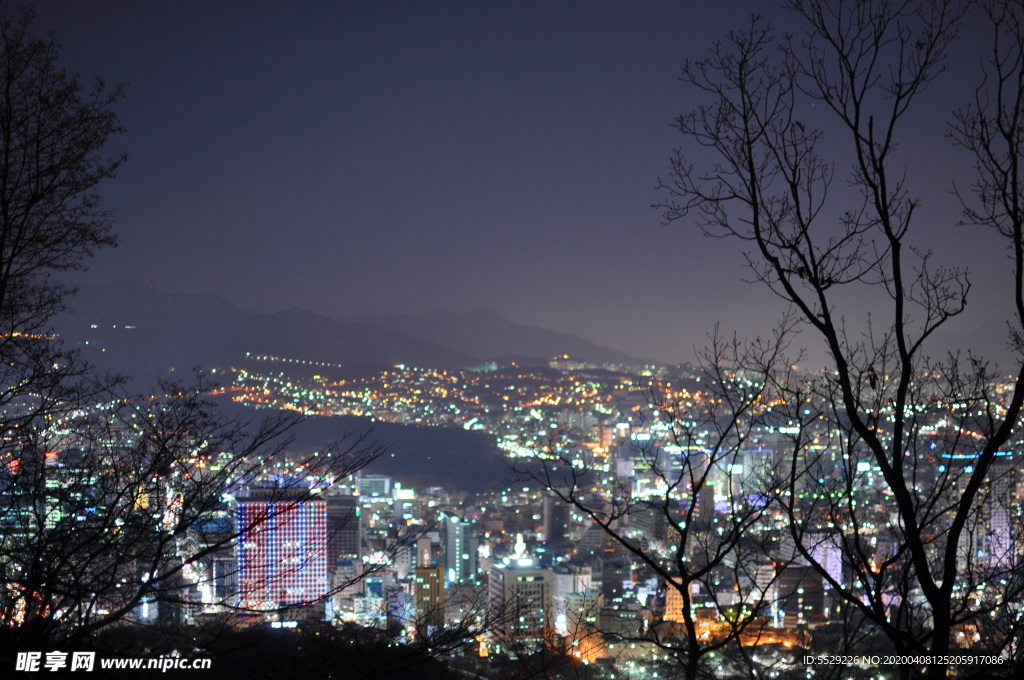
x=585, y=566
x=833, y=488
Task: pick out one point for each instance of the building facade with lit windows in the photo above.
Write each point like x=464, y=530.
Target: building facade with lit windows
x=430, y=598
x=521, y=600
x=282, y=549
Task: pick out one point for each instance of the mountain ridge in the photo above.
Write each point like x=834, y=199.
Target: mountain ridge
x=132, y=327
x=487, y=334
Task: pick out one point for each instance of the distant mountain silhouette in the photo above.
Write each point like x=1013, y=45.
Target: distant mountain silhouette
x=133, y=328
x=988, y=340
x=486, y=334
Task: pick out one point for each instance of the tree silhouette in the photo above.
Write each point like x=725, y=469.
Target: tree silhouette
x=109, y=503
x=902, y=461
x=719, y=567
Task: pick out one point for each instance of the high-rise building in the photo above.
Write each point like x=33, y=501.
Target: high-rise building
x=521, y=601
x=282, y=549
x=429, y=599
x=375, y=487
x=555, y=514
x=426, y=552
x=460, y=555
x=1001, y=539
x=342, y=528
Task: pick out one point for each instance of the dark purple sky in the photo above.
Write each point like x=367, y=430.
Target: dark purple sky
x=412, y=156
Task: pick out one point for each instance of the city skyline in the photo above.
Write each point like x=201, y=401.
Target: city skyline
x=755, y=512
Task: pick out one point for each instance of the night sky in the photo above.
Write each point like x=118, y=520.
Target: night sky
x=414, y=156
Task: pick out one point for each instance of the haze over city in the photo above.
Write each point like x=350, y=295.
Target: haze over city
x=408, y=157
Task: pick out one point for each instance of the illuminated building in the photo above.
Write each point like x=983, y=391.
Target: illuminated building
x=460, y=555
x=521, y=597
x=375, y=487
x=343, y=528
x=429, y=598
x=282, y=549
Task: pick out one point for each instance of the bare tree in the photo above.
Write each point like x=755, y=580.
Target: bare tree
x=108, y=502
x=122, y=506
x=901, y=455
x=695, y=512
x=54, y=130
